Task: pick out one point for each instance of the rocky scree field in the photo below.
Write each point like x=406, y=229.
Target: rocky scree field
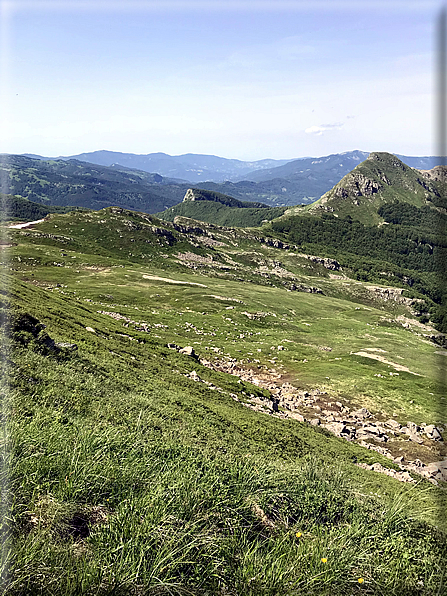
x=192, y=409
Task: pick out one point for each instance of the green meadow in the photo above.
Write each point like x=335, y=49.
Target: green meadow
x=122, y=475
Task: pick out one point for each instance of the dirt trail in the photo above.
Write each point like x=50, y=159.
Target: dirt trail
x=173, y=281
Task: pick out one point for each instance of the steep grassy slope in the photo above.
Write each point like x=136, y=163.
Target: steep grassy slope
x=381, y=178
x=198, y=194
x=134, y=468
x=221, y=215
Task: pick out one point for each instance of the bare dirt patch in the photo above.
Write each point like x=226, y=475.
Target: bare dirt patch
x=173, y=281
x=399, y=367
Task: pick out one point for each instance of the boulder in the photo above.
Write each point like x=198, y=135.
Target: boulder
x=188, y=351
x=413, y=428
x=433, y=432
x=66, y=346
x=393, y=424
x=361, y=414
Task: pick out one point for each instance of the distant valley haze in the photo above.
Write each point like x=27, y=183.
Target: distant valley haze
x=247, y=80
x=195, y=168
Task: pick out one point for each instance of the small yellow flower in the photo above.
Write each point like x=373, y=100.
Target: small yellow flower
x=324, y=560
x=361, y=580
x=298, y=534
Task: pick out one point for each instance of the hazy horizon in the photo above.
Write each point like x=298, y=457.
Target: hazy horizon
x=243, y=80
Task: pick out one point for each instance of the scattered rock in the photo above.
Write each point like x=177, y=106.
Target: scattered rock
x=401, y=476
x=360, y=425
x=361, y=414
x=393, y=424
x=66, y=346
x=433, y=432
x=188, y=351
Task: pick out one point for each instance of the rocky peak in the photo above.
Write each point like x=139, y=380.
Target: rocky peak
x=191, y=195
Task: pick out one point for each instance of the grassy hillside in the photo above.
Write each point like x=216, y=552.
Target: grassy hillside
x=199, y=194
x=381, y=178
x=134, y=468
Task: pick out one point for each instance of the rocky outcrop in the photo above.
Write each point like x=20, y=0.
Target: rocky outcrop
x=393, y=294
x=330, y=264
x=357, y=185
x=436, y=174
x=285, y=401
x=191, y=195
x=28, y=331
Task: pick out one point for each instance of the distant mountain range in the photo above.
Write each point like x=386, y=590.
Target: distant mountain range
x=189, y=167
x=379, y=180
x=81, y=184
x=275, y=182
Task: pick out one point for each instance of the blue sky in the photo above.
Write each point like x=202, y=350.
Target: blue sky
x=246, y=80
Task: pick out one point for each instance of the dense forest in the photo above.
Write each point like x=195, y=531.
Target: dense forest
x=18, y=208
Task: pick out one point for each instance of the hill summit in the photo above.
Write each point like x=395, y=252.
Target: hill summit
x=381, y=178
x=198, y=194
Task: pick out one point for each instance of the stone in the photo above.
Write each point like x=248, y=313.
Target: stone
x=297, y=416
x=90, y=329
x=413, y=428
x=393, y=424
x=415, y=438
x=433, y=432
x=334, y=427
x=188, y=351
x=361, y=414
x=66, y=346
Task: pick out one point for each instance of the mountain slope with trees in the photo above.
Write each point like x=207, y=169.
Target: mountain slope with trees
x=382, y=178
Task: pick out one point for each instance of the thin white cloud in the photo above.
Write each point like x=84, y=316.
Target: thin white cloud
x=319, y=130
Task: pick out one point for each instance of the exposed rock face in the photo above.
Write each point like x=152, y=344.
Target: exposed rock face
x=357, y=185
x=394, y=294
x=382, y=177
x=191, y=195
x=436, y=174
x=330, y=264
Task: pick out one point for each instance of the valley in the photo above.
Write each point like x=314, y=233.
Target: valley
x=201, y=409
